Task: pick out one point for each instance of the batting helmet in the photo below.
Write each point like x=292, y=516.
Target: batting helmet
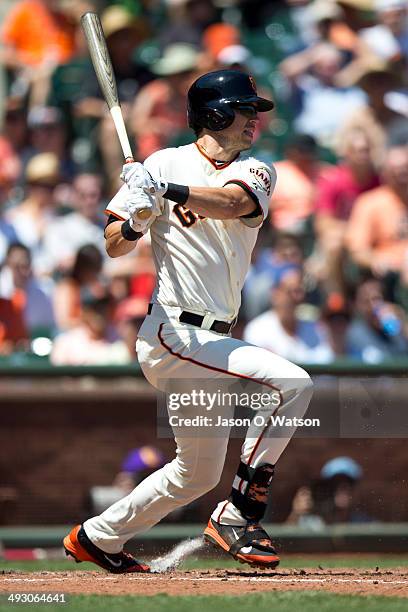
x=213, y=97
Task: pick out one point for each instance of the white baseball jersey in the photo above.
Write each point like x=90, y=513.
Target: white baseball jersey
x=202, y=263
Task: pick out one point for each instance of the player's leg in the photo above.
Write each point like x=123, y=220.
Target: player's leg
x=222, y=357
x=169, y=353
x=234, y=524
x=195, y=470
x=199, y=459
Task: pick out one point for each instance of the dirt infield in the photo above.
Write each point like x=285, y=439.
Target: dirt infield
x=216, y=582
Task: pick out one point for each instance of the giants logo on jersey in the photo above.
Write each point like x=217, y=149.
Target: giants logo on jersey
x=263, y=178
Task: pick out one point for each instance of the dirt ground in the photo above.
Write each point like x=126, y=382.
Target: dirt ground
x=216, y=582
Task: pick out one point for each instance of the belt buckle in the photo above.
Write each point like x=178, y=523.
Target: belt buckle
x=208, y=320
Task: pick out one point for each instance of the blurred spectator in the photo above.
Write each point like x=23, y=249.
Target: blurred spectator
x=304, y=20
x=7, y=236
x=389, y=39
x=304, y=511
x=36, y=36
x=27, y=294
x=9, y=170
x=378, y=330
x=234, y=57
x=48, y=135
x=85, y=225
x=128, y=322
x=159, y=111
x=336, y=318
x=331, y=499
x=13, y=332
x=70, y=83
x=340, y=476
x=30, y=219
x=186, y=20
x=293, y=200
x=136, y=466
x=266, y=269
x=377, y=233
x=10, y=164
x=84, y=278
x=376, y=118
x=339, y=186
x=282, y=331
x=331, y=25
x=94, y=340
x=336, y=192
x=320, y=104
x=357, y=13
x=216, y=38
x=36, y=32
x=15, y=129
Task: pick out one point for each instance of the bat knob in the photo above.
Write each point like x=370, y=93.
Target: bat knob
x=143, y=214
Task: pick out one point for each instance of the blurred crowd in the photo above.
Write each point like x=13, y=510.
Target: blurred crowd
x=334, y=497
x=329, y=277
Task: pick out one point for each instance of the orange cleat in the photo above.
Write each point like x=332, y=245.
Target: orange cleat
x=247, y=544
x=78, y=545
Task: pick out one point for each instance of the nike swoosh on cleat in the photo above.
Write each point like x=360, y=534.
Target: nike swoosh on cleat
x=112, y=562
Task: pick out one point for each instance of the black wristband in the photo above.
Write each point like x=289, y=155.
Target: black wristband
x=128, y=232
x=177, y=193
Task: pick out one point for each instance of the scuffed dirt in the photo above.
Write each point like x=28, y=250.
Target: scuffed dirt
x=219, y=581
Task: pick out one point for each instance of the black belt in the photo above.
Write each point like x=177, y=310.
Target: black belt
x=221, y=327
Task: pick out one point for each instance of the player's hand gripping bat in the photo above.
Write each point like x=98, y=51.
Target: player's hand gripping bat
x=102, y=64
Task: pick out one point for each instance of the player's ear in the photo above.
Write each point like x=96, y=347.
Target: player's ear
x=216, y=119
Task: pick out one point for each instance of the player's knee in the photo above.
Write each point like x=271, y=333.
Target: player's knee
x=305, y=383
x=195, y=481
x=300, y=387
x=210, y=480
x=297, y=382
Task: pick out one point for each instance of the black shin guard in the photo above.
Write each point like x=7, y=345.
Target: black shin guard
x=251, y=489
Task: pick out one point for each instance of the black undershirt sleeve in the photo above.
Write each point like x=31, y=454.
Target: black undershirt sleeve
x=258, y=209
x=127, y=232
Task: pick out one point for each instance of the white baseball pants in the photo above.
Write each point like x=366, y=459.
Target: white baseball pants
x=170, y=350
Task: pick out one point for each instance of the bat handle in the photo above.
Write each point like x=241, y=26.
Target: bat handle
x=144, y=213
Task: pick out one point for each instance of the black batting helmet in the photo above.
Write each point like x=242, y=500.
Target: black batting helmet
x=213, y=97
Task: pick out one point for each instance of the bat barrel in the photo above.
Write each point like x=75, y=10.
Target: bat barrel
x=102, y=64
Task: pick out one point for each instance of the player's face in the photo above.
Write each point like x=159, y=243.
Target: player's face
x=241, y=133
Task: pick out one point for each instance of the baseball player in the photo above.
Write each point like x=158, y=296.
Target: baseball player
x=206, y=201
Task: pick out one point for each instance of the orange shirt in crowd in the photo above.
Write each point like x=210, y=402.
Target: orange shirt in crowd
x=294, y=196
x=379, y=223
x=67, y=303
x=36, y=33
x=12, y=328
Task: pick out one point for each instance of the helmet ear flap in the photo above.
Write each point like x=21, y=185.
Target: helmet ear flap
x=216, y=119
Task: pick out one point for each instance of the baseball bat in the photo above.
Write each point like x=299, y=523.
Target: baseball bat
x=102, y=64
